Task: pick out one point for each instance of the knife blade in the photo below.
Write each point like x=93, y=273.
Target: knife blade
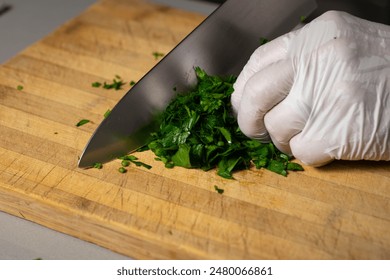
x=221, y=45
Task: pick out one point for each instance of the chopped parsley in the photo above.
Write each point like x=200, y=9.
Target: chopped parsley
x=158, y=55
x=117, y=83
x=218, y=190
x=82, y=122
x=107, y=113
x=128, y=159
x=19, y=87
x=122, y=170
x=198, y=130
x=96, y=84
x=98, y=165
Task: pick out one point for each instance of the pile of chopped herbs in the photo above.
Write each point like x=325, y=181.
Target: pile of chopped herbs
x=198, y=130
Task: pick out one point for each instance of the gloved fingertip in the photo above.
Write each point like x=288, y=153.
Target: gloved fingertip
x=310, y=152
x=283, y=147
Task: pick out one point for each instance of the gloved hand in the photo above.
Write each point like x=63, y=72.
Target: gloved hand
x=321, y=92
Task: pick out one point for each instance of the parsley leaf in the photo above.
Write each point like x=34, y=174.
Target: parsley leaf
x=127, y=159
x=96, y=84
x=158, y=55
x=116, y=84
x=82, y=122
x=107, y=113
x=219, y=190
x=263, y=41
x=98, y=165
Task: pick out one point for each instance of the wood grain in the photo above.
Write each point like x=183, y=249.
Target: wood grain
x=341, y=211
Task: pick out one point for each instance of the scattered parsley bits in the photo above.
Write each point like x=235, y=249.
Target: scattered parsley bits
x=218, y=190
x=98, y=165
x=107, y=113
x=82, y=122
x=127, y=159
x=132, y=83
x=122, y=170
x=198, y=130
x=96, y=84
x=293, y=166
x=157, y=55
x=139, y=163
x=116, y=84
x=19, y=87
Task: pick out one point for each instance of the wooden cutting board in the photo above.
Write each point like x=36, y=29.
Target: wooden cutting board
x=341, y=211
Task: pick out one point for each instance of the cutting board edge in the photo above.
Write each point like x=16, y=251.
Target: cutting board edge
x=131, y=244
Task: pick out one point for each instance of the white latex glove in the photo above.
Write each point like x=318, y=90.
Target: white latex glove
x=321, y=92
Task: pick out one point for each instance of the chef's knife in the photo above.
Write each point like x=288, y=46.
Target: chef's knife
x=221, y=45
